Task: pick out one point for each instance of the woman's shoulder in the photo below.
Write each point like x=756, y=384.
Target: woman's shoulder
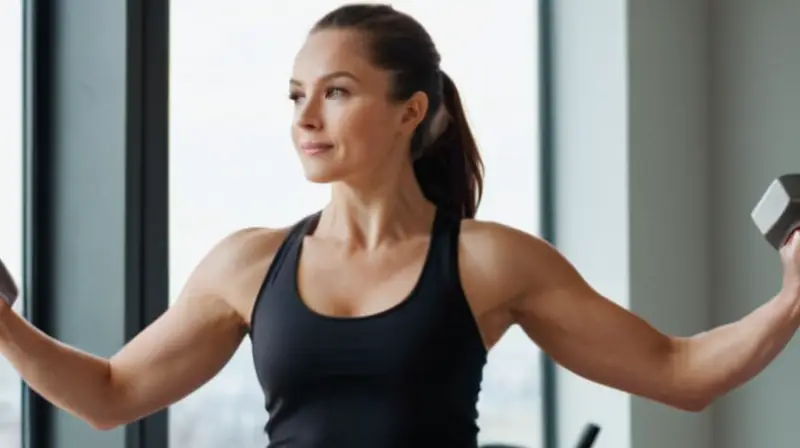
x=497, y=239
x=243, y=246
x=496, y=260
x=235, y=267
x=249, y=244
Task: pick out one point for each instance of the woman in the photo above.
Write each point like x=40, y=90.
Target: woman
x=371, y=319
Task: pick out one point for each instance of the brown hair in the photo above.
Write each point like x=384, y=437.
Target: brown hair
x=449, y=167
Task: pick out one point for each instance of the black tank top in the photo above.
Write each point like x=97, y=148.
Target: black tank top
x=406, y=377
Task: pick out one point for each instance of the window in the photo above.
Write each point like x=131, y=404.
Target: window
x=231, y=164
x=11, y=197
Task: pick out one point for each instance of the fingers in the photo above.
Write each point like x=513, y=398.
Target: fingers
x=792, y=244
x=790, y=258
x=793, y=236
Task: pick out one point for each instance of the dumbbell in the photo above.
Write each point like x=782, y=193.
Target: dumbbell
x=8, y=289
x=777, y=214
x=589, y=436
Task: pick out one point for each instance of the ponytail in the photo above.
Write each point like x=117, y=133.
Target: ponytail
x=446, y=163
x=450, y=169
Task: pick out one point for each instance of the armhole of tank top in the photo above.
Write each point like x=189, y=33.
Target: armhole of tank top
x=294, y=232
x=458, y=287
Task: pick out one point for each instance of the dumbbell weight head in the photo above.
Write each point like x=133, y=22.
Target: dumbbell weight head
x=777, y=214
x=8, y=289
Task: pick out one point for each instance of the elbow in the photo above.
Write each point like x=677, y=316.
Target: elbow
x=108, y=423
x=685, y=400
x=105, y=421
x=112, y=414
x=691, y=390
x=691, y=404
x=103, y=425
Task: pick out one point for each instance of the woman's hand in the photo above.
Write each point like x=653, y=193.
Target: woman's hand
x=790, y=258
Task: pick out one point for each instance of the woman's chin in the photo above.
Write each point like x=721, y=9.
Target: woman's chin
x=319, y=175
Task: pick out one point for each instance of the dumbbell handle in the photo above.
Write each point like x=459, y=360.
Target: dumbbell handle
x=8, y=289
x=589, y=436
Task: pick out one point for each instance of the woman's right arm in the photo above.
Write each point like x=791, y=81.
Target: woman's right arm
x=179, y=352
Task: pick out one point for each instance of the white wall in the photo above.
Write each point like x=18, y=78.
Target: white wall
x=592, y=226
x=668, y=157
x=663, y=150
x=755, y=92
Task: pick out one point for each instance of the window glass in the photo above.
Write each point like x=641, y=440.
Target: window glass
x=232, y=164
x=11, y=198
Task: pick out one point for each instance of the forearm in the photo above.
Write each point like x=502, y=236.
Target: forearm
x=713, y=363
x=75, y=381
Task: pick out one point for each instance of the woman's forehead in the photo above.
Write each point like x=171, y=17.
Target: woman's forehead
x=329, y=51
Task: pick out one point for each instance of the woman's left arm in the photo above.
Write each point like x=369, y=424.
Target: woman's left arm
x=603, y=342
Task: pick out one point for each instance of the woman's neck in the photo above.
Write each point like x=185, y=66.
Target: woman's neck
x=371, y=213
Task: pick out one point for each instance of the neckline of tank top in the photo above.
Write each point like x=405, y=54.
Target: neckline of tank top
x=435, y=234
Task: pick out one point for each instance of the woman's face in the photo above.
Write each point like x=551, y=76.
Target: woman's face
x=345, y=125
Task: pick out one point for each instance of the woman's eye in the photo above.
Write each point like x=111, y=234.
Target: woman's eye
x=336, y=92
x=333, y=92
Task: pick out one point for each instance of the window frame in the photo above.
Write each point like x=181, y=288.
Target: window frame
x=62, y=143
x=547, y=223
